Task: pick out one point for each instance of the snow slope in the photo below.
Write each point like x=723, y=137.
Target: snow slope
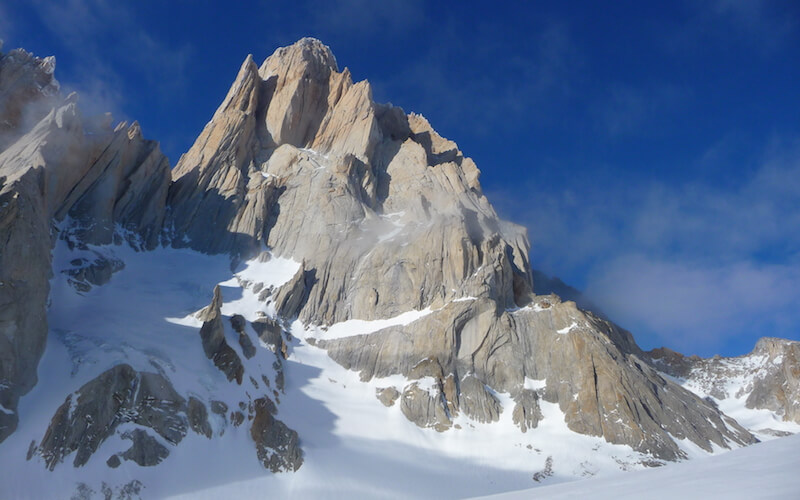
x=765, y=470
x=763, y=423
x=354, y=446
x=729, y=385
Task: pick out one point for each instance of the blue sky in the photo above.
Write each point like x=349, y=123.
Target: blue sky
x=651, y=148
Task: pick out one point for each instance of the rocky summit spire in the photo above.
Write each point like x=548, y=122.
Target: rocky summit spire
x=349, y=226
x=55, y=164
x=307, y=57
x=387, y=216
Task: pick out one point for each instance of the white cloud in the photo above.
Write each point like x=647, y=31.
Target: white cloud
x=6, y=32
x=365, y=18
x=695, y=307
x=100, y=35
x=693, y=266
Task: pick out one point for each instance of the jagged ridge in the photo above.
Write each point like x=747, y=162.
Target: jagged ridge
x=385, y=216
x=296, y=144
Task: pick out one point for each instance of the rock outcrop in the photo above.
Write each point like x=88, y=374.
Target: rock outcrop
x=27, y=86
x=527, y=412
x=387, y=216
x=277, y=446
x=769, y=376
x=592, y=369
x=212, y=335
x=119, y=396
x=53, y=164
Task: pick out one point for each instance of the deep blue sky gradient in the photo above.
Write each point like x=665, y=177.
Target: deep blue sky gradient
x=651, y=148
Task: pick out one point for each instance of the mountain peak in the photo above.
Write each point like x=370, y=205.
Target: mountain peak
x=359, y=274
x=308, y=58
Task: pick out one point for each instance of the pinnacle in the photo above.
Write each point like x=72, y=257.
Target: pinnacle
x=310, y=51
x=318, y=49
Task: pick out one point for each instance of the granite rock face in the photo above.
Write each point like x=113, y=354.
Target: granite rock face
x=27, y=86
x=590, y=367
x=527, y=412
x=297, y=144
x=118, y=396
x=770, y=375
x=385, y=216
x=55, y=164
x=393, y=219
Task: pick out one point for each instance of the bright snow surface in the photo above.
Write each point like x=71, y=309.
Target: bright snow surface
x=354, y=446
x=765, y=470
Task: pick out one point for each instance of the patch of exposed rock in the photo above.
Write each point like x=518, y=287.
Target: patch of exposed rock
x=603, y=389
x=145, y=450
x=277, y=446
x=238, y=324
x=527, y=413
x=477, y=402
x=212, y=334
x=197, y=415
x=425, y=407
x=132, y=490
x=387, y=395
x=770, y=375
x=118, y=396
x=270, y=333
x=54, y=164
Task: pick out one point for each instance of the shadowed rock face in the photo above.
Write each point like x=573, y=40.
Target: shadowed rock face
x=116, y=397
x=527, y=412
x=277, y=446
x=385, y=215
x=212, y=334
x=771, y=375
x=51, y=167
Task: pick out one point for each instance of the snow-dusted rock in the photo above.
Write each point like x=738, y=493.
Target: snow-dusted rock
x=119, y=396
x=387, y=217
x=768, y=378
x=51, y=171
x=27, y=91
x=350, y=224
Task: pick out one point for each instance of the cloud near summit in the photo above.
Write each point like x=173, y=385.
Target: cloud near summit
x=695, y=266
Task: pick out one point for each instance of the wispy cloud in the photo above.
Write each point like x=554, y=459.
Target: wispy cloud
x=451, y=81
x=763, y=26
x=6, y=32
x=693, y=266
x=697, y=306
x=629, y=110
x=366, y=18
x=100, y=35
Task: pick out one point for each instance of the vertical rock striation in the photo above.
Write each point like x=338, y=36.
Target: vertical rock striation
x=767, y=378
x=54, y=165
x=387, y=216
